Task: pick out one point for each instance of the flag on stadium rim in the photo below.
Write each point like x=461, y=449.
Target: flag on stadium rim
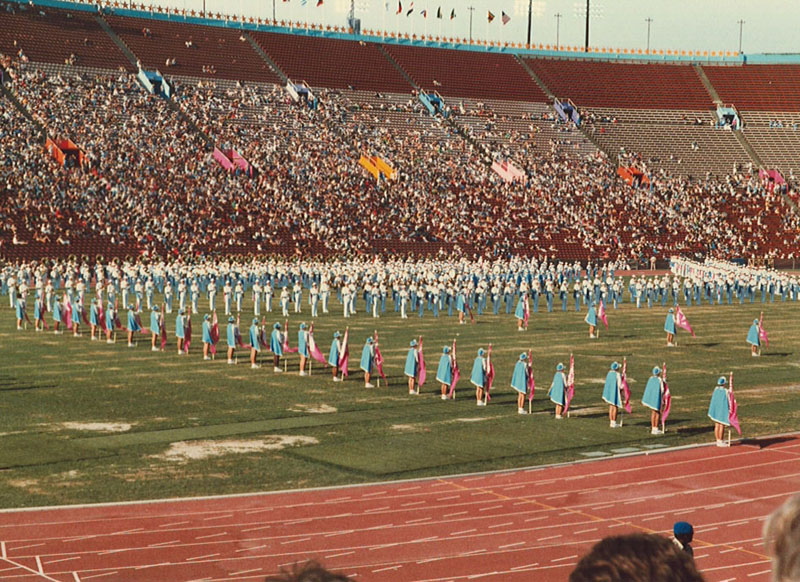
x=490, y=16
x=505, y=18
x=733, y=410
x=344, y=357
x=399, y=7
x=439, y=12
x=423, y=372
x=601, y=313
x=762, y=333
x=410, y=10
x=452, y=14
x=456, y=373
x=680, y=319
x=319, y=3
x=626, y=391
x=666, y=397
x=424, y=14
x=570, y=383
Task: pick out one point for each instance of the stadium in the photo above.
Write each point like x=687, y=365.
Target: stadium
x=463, y=306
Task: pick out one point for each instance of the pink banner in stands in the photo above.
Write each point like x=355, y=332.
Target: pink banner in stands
x=222, y=159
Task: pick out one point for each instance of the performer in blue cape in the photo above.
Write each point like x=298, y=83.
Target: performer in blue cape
x=255, y=345
x=669, y=327
x=276, y=347
x=719, y=410
x=302, y=347
x=333, y=356
x=367, y=361
x=612, y=394
x=230, y=339
x=754, y=339
x=653, y=398
x=591, y=319
x=412, y=367
x=478, y=376
x=519, y=381
x=444, y=373
x=155, y=328
x=558, y=391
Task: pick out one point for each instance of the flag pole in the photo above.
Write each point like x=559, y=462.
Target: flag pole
x=661, y=404
x=619, y=392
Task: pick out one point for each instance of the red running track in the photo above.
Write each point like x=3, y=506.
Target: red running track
x=522, y=525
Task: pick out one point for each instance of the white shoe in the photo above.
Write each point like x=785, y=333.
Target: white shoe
x=303, y=373
x=277, y=370
x=613, y=424
x=754, y=355
x=254, y=366
x=130, y=345
x=521, y=411
x=19, y=327
x=231, y=362
x=444, y=396
x=655, y=430
x=559, y=417
x=154, y=349
x=337, y=379
x=94, y=339
x=368, y=385
x=722, y=444
x=481, y=403
x=58, y=332
x=109, y=341
x=206, y=358
x=591, y=336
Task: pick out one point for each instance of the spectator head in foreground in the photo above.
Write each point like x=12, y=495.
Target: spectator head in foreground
x=635, y=558
x=308, y=572
x=782, y=540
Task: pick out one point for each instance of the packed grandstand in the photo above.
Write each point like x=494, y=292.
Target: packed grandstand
x=130, y=136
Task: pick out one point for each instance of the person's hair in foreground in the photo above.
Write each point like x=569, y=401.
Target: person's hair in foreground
x=308, y=572
x=635, y=558
x=782, y=540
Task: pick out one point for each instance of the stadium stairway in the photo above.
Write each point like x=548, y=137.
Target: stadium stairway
x=707, y=83
x=260, y=51
x=9, y=94
x=117, y=40
x=397, y=66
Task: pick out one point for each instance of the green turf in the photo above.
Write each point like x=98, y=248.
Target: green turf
x=367, y=434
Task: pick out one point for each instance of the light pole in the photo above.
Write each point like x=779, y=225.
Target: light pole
x=648, y=21
x=586, y=45
x=558, y=29
x=273, y=10
x=471, y=10
x=530, y=18
x=741, y=25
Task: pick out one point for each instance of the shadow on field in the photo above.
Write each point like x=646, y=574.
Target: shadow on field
x=764, y=443
x=776, y=355
x=710, y=344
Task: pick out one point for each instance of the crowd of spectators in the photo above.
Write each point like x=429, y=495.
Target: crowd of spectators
x=149, y=179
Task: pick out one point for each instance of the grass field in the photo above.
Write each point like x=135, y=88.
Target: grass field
x=88, y=422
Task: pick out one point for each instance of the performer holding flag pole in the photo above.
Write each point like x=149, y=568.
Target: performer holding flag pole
x=344, y=355
x=754, y=338
x=667, y=399
x=653, y=399
x=570, y=384
x=519, y=381
x=612, y=396
x=626, y=391
x=444, y=373
x=489, y=375
x=719, y=411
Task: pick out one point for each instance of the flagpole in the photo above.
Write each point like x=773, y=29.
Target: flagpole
x=619, y=392
x=663, y=368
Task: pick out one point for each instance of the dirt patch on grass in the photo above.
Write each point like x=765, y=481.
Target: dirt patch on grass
x=98, y=426
x=185, y=451
x=313, y=408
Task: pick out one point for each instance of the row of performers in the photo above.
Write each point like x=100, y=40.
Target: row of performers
x=616, y=393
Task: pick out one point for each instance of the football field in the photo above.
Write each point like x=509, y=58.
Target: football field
x=89, y=422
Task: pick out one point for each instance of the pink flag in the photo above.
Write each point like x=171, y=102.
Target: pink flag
x=67, y=312
x=286, y=347
x=313, y=350
x=531, y=381
x=456, y=374
x=378, y=357
x=626, y=391
x=666, y=396
x=101, y=316
x=162, y=325
x=527, y=312
x=489, y=373
x=680, y=319
x=762, y=333
x=422, y=371
x=188, y=335
x=570, y=383
x=83, y=316
x=601, y=313
x=733, y=410
x=344, y=357
x=214, y=332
